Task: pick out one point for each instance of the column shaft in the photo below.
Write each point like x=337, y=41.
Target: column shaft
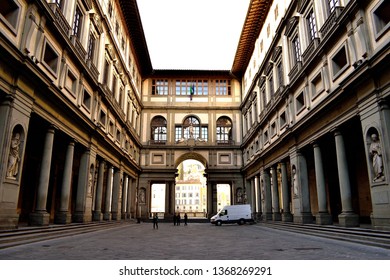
x=275, y=196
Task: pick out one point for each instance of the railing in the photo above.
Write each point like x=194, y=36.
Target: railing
x=310, y=49
x=331, y=21
x=61, y=20
x=294, y=71
x=79, y=47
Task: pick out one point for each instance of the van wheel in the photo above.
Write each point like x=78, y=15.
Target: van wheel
x=241, y=222
x=219, y=223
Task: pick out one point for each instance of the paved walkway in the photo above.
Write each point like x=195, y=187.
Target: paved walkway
x=197, y=241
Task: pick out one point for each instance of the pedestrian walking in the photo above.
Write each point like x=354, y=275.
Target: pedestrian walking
x=155, y=221
x=185, y=219
x=178, y=219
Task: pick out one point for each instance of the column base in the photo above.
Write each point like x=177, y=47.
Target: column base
x=324, y=219
x=115, y=216
x=287, y=217
x=303, y=218
x=39, y=219
x=9, y=221
x=267, y=217
x=97, y=216
x=348, y=220
x=380, y=223
x=62, y=218
x=276, y=216
x=81, y=217
x=107, y=216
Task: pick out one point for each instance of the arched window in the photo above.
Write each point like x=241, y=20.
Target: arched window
x=159, y=130
x=224, y=130
x=191, y=129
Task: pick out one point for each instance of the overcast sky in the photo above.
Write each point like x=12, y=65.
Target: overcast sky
x=192, y=34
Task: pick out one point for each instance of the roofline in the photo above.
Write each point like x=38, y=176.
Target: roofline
x=254, y=21
x=134, y=25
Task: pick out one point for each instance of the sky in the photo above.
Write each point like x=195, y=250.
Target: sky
x=192, y=34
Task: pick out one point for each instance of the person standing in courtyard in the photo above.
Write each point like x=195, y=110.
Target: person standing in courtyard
x=185, y=219
x=155, y=221
x=178, y=219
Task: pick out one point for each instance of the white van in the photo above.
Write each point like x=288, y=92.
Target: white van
x=229, y=214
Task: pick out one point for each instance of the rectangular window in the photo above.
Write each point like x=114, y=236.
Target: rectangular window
x=178, y=135
x=103, y=118
x=204, y=131
x=160, y=87
x=91, y=47
x=9, y=11
x=339, y=62
x=282, y=120
x=332, y=4
x=381, y=18
x=296, y=49
x=87, y=100
x=311, y=25
x=50, y=57
x=299, y=102
x=279, y=70
x=77, y=22
x=114, y=84
x=271, y=84
x=71, y=82
x=222, y=87
x=106, y=72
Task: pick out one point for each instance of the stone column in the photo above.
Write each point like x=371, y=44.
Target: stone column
x=347, y=217
x=129, y=198
x=252, y=198
x=97, y=214
x=82, y=185
x=258, y=197
x=267, y=214
x=286, y=215
x=303, y=214
x=275, y=196
x=63, y=216
x=167, y=199
x=40, y=217
x=323, y=217
x=125, y=196
x=172, y=191
x=108, y=198
x=116, y=196
x=209, y=200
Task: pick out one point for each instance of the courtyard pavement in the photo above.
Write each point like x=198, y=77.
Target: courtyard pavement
x=197, y=241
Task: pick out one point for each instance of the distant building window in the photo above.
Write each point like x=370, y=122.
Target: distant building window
x=9, y=13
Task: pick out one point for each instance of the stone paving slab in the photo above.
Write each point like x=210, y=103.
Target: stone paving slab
x=197, y=241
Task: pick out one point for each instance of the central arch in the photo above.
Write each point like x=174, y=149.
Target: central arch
x=191, y=155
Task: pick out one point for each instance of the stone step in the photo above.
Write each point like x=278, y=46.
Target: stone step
x=25, y=235
x=365, y=236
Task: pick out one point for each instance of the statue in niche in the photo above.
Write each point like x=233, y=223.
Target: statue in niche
x=294, y=181
x=14, y=158
x=376, y=154
x=90, y=181
x=142, y=196
x=191, y=130
x=239, y=195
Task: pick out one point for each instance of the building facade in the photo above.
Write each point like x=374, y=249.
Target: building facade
x=299, y=127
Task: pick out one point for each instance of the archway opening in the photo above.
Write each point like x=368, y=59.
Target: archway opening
x=223, y=195
x=191, y=189
x=158, y=199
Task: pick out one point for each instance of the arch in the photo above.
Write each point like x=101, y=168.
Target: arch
x=191, y=155
x=158, y=129
x=224, y=127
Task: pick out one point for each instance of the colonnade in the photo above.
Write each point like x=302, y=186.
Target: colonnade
x=118, y=188
x=294, y=188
